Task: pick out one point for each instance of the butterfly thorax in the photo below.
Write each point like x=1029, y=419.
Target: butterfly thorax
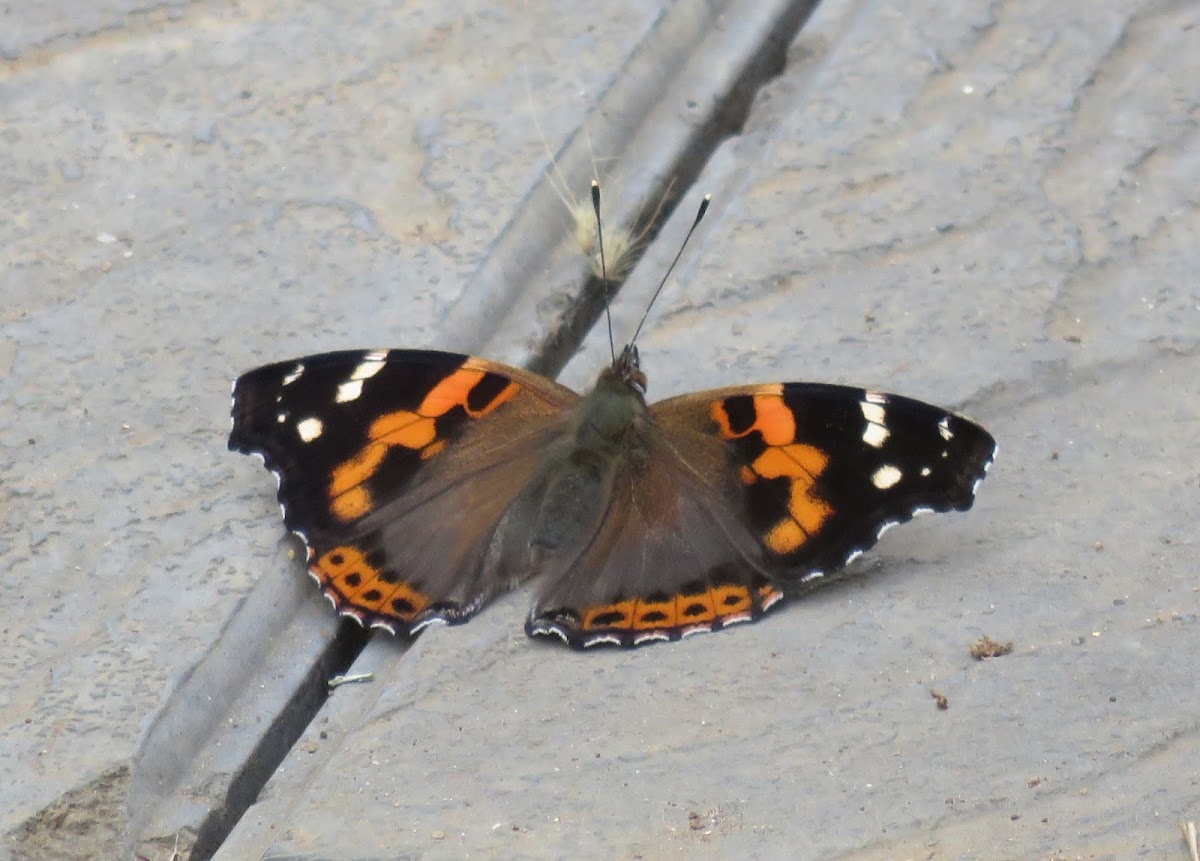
x=605, y=433
x=610, y=412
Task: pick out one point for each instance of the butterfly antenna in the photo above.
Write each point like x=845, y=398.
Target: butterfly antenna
x=699, y=215
x=612, y=349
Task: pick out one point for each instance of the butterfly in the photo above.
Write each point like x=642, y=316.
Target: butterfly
x=424, y=483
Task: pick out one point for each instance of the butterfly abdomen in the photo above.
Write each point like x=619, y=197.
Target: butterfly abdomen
x=572, y=502
x=578, y=475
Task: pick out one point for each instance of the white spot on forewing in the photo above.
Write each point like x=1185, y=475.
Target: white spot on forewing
x=872, y=412
x=349, y=391
x=886, y=476
x=873, y=397
x=293, y=374
x=371, y=365
x=876, y=432
x=309, y=429
x=925, y=471
x=281, y=417
x=875, y=435
x=944, y=428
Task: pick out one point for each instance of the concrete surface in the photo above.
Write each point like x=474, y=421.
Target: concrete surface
x=992, y=206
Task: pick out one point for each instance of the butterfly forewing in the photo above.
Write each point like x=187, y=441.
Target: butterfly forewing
x=824, y=470
x=395, y=467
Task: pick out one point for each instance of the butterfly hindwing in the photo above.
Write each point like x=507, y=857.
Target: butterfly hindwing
x=395, y=468
x=666, y=559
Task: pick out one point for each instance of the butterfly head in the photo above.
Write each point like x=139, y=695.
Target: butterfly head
x=625, y=367
x=628, y=369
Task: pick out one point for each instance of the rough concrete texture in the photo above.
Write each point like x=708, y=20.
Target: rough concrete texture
x=991, y=205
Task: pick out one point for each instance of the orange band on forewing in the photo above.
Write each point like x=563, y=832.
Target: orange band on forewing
x=456, y=389
x=416, y=431
x=721, y=417
x=807, y=509
x=798, y=461
x=403, y=428
x=507, y=393
x=352, y=504
x=357, y=469
x=774, y=420
x=801, y=464
x=809, y=458
x=451, y=392
x=782, y=457
x=433, y=449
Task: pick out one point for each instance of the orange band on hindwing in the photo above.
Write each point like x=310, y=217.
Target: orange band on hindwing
x=703, y=606
x=801, y=465
x=346, y=575
x=415, y=430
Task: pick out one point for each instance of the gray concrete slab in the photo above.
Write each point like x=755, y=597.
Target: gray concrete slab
x=992, y=206
x=193, y=190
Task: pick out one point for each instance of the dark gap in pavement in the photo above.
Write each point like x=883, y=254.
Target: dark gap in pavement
x=275, y=743
x=726, y=121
